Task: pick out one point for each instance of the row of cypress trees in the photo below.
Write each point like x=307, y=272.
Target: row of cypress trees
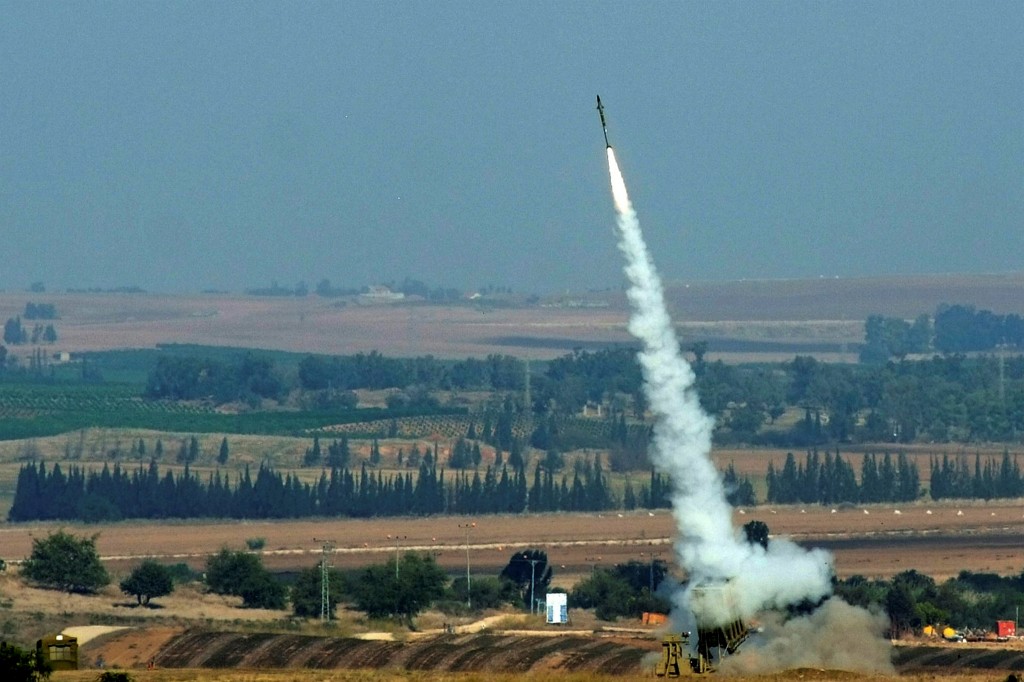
x=143, y=492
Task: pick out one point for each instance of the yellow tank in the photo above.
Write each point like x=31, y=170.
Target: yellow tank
x=949, y=633
x=929, y=631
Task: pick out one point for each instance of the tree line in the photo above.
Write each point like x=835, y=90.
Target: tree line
x=913, y=600
x=16, y=334
x=117, y=493
x=830, y=479
x=945, y=398
x=956, y=329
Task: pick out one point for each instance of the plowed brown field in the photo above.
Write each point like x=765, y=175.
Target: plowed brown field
x=494, y=653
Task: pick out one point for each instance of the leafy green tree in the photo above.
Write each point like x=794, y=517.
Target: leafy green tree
x=313, y=455
x=553, y=460
x=486, y=592
x=608, y=594
x=242, y=574
x=338, y=453
x=385, y=590
x=14, y=332
x=149, y=580
x=222, y=455
x=756, y=533
x=306, y=591
x=902, y=608
x=529, y=572
x=642, y=575
x=623, y=591
x=64, y=562
x=263, y=591
x=739, y=491
x=19, y=665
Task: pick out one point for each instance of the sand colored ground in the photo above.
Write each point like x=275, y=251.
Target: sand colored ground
x=86, y=633
x=940, y=540
x=317, y=325
x=824, y=309
x=187, y=601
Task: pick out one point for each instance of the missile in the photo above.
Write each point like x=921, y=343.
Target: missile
x=604, y=126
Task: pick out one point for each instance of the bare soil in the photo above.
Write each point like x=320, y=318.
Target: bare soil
x=937, y=539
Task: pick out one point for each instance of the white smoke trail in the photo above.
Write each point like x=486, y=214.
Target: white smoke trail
x=708, y=546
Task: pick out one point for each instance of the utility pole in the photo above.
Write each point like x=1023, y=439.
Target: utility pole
x=653, y=555
x=533, y=570
x=397, y=538
x=327, y=547
x=469, y=593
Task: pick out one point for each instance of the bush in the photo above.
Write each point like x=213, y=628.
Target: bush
x=381, y=590
x=64, y=562
x=306, y=596
x=182, y=573
x=19, y=665
x=114, y=676
x=242, y=574
x=486, y=592
x=256, y=544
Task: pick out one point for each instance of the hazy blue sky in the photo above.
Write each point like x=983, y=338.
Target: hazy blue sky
x=188, y=145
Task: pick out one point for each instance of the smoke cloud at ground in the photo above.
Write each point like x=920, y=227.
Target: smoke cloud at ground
x=708, y=546
x=836, y=636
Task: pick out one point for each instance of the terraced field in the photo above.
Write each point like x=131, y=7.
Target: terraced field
x=492, y=652
x=200, y=648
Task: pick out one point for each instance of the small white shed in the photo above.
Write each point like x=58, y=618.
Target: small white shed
x=558, y=608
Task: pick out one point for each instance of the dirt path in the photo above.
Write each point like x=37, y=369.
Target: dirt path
x=86, y=633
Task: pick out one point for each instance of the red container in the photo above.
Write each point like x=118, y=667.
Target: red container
x=1006, y=628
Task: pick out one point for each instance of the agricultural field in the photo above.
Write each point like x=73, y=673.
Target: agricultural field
x=87, y=426
x=745, y=321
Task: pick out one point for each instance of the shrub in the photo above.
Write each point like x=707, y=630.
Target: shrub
x=256, y=544
x=19, y=665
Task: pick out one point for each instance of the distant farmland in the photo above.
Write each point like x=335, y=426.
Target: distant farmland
x=746, y=320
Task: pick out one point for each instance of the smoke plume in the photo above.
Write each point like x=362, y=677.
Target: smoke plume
x=836, y=636
x=729, y=577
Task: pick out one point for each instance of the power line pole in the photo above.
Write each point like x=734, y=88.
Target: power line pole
x=327, y=547
x=469, y=593
x=397, y=539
